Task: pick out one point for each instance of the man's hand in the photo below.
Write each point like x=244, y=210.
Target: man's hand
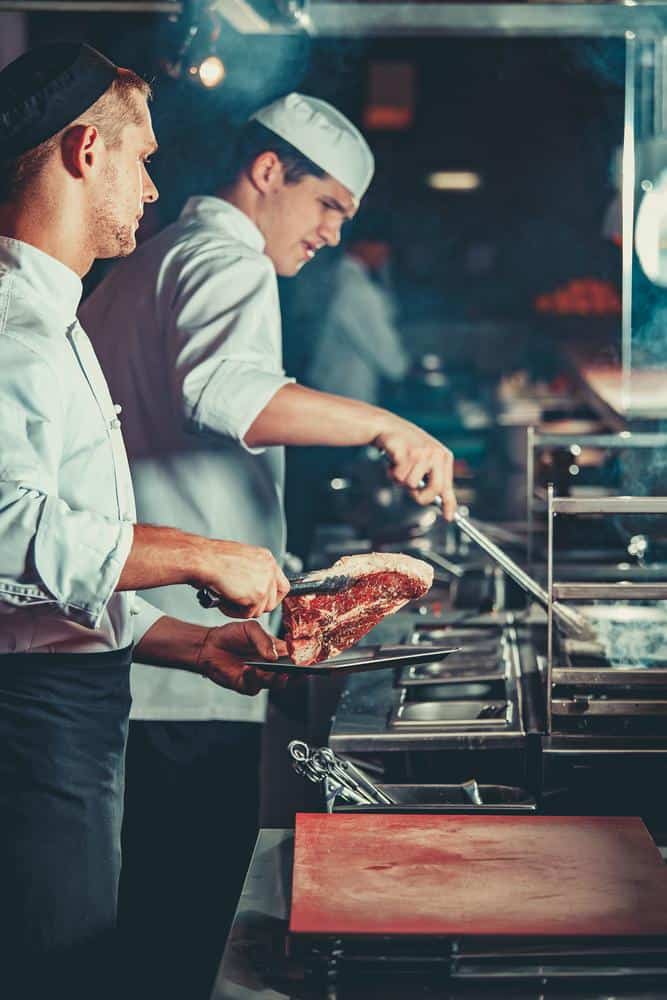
x=247, y=577
x=222, y=657
x=417, y=457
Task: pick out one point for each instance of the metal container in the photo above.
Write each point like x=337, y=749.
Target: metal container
x=449, y=799
x=469, y=715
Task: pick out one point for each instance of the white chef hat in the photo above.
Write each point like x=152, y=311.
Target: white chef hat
x=325, y=136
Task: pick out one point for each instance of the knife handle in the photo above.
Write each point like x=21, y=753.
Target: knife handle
x=209, y=598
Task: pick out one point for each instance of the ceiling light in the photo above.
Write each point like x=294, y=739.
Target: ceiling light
x=454, y=180
x=211, y=71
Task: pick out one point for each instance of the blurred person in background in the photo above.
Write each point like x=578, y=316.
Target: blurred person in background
x=359, y=345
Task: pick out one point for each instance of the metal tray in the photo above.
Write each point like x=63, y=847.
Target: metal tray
x=447, y=799
x=452, y=691
x=442, y=671
x=451, y=714
x=358, y=659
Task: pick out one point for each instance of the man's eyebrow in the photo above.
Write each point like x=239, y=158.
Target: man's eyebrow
x=340, y=207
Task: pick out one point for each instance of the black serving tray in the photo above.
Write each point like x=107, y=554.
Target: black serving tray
x=359, y=659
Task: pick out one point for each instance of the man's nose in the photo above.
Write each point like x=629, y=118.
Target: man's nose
x=330, y=233
x=150, y=192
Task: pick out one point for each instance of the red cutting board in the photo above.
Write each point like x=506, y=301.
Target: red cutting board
x=476, y=875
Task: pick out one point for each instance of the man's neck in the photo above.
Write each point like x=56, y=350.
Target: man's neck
x=243, y=199
x=46, y=233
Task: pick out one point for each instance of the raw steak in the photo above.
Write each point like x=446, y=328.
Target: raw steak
x=321, y=625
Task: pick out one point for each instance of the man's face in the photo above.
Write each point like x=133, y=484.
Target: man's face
x=301, y=218
x=125, y=187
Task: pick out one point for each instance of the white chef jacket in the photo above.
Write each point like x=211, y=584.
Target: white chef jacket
x=66, y=503
x=189, y=336
x=359, y=343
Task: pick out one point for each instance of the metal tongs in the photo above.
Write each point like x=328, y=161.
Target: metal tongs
x=571, y=622
x=339, y=777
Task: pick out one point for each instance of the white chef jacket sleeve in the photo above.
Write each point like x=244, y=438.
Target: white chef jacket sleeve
x=223, y=334
x=144, y=616
x=363, y=316
x=49, y=553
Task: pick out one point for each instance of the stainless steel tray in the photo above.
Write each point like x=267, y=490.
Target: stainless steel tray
x=447, y=715
x=443, y=672
x=359, y=659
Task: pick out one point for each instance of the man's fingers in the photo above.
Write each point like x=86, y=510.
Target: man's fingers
x=236, y=610
x=259, y=641
x=253, y=680
x=283, y=585
x=449, y=505
x=418, y=476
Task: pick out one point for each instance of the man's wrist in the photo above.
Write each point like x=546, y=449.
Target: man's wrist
x=174, y=643
x=194, y=560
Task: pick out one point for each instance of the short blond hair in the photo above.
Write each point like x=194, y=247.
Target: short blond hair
x=109, y=114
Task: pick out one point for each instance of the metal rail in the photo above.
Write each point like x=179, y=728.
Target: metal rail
x=555, y=19
x=557, y=673
x=171, y=7
x=610, y=505
x=536, y=441
x=535, y=19
x=624, y=590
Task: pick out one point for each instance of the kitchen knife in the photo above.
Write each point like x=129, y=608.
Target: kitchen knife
x=304, y=583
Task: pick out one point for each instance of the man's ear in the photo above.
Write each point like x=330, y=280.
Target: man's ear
x=81, y=148
x=266, y=171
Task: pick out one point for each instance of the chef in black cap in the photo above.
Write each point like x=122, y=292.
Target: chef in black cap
x=75, y=137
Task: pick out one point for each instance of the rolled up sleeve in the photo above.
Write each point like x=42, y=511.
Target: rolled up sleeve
x=222, y=327
x=49, y=553
x=144, y=616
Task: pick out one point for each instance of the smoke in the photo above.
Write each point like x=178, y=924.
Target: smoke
x=636, y=639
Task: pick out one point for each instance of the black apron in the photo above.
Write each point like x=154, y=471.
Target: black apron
x=63, y=730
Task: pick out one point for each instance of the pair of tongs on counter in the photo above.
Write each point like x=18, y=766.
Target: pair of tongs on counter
x=340, y=778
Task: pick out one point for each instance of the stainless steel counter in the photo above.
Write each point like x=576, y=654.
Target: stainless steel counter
x=362, y=720
x=254, y=966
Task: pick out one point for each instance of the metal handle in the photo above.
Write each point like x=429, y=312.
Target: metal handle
x=570, y=621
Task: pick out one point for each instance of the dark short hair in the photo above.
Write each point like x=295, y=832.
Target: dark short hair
x=255, y=139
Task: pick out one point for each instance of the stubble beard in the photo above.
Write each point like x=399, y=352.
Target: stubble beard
x=112, y=236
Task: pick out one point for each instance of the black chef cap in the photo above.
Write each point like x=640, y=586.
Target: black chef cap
x=47, y=88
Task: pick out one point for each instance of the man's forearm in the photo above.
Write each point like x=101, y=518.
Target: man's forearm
x=171, y=643
x=160, y=556
x=297, y=415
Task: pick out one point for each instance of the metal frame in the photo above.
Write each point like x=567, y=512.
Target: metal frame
x=592, y=591
x=535, y=19
x=536, y=441
x=566, y=19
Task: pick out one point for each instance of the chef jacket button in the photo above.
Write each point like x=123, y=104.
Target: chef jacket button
x=117, y=408
x=114, y=424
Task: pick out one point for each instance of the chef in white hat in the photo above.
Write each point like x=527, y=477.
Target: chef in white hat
x=189, y=337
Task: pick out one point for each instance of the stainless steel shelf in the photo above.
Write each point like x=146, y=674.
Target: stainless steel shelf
x=610, y=505
x=610, y=442
x=610, y=591
x=612, y=677
x=605, y=707
x=535, y=19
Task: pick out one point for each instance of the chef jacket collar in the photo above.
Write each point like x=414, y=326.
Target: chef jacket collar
x=220, y=214
x=55, y=285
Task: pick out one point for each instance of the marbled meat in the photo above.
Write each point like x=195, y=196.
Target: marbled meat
x=319, y=626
